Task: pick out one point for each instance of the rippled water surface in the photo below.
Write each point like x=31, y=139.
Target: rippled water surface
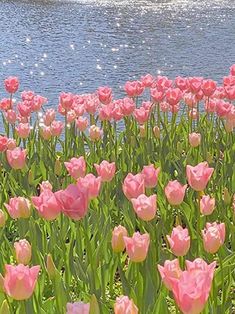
x=79, y=45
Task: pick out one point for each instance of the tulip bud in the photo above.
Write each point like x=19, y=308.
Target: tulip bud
x=227, y=196
x=133, y=141
x=4, y=308
x=58, y=167
x=30, y=177
x=209, y=158
x=156, y=132
x=50, y=266
x=142, y=131
x=23, y=252
x=118, y=244
x=2, y=218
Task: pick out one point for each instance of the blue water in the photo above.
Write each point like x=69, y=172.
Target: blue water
x=76, y=46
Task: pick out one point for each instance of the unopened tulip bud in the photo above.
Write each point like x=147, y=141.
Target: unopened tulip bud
x=133, y=141
x=2, y=218
x=142, y=131
x=4, y=308
x=118, y=244
x=30, y=177
x=50, y=266
x=209, y=158
x=227, y=196
x=23, y=252
x=58, y=167
x=156, y=131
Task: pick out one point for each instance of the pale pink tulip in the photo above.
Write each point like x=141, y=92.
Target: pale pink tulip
x=179, y=241
x=118, y=233
x=76, y=167
x=213, y=237
x=145, y=207
x=199, y=175
x=137, y=246
x=175, y=192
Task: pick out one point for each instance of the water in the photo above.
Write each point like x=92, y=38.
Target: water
x=76, y=46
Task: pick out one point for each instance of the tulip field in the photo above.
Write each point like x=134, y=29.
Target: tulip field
x=120, y=206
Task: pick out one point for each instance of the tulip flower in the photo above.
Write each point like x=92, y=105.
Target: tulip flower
x=78, y=308
x=137, y=246
x=194, y=139
x=145, y=207
x=133, y=185
x=16, y=158
x=170, y=270
x=20, y=281
x=18, y=207
x=118, y=233
x=76, y=167
x=124, y=305
x=150, y=174
x=11, y=84
x=199, y=175
x=23, y=252
x=90, y=184
x=179, y=241
x=175, y=192
x=207, y=205
x=106, y=170
x=213, y=237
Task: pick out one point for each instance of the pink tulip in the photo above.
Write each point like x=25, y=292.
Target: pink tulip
x=18, y=207
x=145, y=207
x=181, y=83
x=71, y=116
x=118, y=233
x=90, y=184
x=105, y=95
x=78, y=308
x=190, y=100
x=213, y=237
x=156, y=95
x=193, y=114
x=56, y=128
x=47, y=204
x=117, y=113
x=191, y=290
x=23, y=130
x=28, y=95
x=141, y=115
x=175, y=192
x=232, y=70
x=207, y=205
x=5, y=104
x=16, y=158
x=106, y=170
x=23, y=252
x=170, y=270
x=133, y=185
x=164, y=106
x=137, y=246
x=11, y=116
x=147, y=80
x=24, y=109
x=208, y=87
x=11, y=84
x=200, y=265
x=95, y=133
x=105, y=112
x=195, y=84
x=45, y=185
x=82, y=123
x=49, y=117
x=124, y=305
x=199, y=175
x=150, y=174
x=66, y=100
x=194, y=139
x=163, y=83
x=134, y=89
x=173, y=96
x=20, y=281
x=3, y=143
x=73, y=201
x=179, y=241
x=76, y=167
x=127, y=106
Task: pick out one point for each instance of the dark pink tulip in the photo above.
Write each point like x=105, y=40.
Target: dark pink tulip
x=11, y=116
x=147, y=80
x=117, y=113
x=104, y=95
x=182, y=83
x=5, y=104
x=27, y=95
x=3, y=143
x=223, y=108
x=232, y=70
x=11, y=84
x=230, y=92
x=105, y=112
x=66, y=100
x=229, y=80
x=24, y=109
x=73, y=201
x=208, y=87
x=134, y=89
x=173, y=96
x=164, y=106
x=162, y=83
x=195, y=84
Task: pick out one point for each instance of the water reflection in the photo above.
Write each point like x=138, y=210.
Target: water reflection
x=78, y=45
